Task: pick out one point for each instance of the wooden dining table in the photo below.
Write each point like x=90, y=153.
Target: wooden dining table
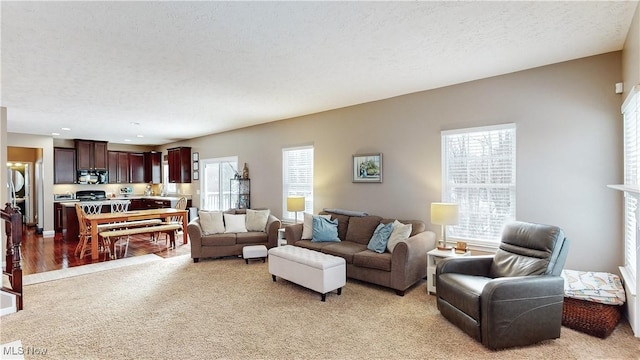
x=105, y=218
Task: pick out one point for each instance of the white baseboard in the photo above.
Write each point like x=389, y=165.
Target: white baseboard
x=8, y=304
x=48, y=233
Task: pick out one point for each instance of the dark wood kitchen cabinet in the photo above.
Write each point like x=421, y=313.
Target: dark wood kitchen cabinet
x=64, y=165
x=153, y=167
x=136, y=168
x=91, y=155
x=179, y=164
x=118, y=167
x=126, y=167
x=57, y=217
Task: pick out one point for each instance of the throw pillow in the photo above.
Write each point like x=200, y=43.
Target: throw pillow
x=307, y=225
x=235, y=223
x=257, y=220
x=378, y=242
x=400, y=233
x=325, y=230
x=211, y=222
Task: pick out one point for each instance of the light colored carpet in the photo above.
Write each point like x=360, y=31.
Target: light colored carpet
x=175, y=309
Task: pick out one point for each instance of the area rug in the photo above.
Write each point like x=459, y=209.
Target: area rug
x=226, y=309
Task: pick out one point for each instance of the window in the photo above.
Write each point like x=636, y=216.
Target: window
x=479, y=174
x=169, y=188
x=297, y=178
x=215, y=182
x=631, y=112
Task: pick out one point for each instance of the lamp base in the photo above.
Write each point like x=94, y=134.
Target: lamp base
x=444, y=247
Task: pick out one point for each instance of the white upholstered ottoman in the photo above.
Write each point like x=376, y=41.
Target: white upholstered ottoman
x=312, y=269
x=254, y=252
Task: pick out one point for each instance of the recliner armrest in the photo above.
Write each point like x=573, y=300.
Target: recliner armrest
x=471, y=265
x=522, y=287
x=518, y=310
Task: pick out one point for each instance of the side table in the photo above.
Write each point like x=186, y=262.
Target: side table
x=281, y=240
x=433, y=258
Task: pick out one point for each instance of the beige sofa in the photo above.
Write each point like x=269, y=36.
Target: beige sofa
x=229, y=244
x=398, y=270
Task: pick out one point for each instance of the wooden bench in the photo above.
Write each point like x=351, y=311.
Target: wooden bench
x=169, y=229
x=128, y=224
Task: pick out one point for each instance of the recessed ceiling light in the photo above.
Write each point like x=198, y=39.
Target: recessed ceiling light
x=134, y=123
x=66, y=129
x=127, y=140
x=55, y=134
x=140, y=136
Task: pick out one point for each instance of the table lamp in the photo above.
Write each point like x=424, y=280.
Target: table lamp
x=295, y=204
x=444, y=214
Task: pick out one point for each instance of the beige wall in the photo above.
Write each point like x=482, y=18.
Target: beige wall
x=568, y=140
x=631, y=55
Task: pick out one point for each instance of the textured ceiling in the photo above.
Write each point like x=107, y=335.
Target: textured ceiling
x=177, y=70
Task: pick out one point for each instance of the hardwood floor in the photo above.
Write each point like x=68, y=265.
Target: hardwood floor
x=40, y=254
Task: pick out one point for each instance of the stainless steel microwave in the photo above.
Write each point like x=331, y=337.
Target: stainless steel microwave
x=93, y=177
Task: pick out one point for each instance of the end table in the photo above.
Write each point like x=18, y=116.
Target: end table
x=433, y=258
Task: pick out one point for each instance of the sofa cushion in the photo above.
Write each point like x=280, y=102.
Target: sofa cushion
x=211, y=222
x=378, y=242
x=361, y=228
x=307, y=225
x=344, y=249
x=373, y=260
x=218, y=240
x=312, y=245
x=257, y=220
x=251, y=237
x=235, y=223
x=325, y=230
x=400, y=233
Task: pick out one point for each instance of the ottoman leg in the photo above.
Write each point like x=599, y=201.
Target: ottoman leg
x=324, y=297
x=246, y=261
x=339, y=291
x=273, y=277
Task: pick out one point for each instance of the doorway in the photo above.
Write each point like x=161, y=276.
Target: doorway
x=26, y=184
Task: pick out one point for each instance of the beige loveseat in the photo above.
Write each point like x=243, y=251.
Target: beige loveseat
x=229, y=244
x=398, y=270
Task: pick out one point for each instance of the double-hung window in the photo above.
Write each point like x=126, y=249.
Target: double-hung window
x=297, y=178
x=631, y=112
x=479, y=174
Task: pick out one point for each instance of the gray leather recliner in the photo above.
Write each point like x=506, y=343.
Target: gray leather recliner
x=512, y=298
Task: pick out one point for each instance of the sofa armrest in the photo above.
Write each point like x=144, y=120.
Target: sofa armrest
x=273, y=224
x=195, y=237
x=467, y=265
x=293, y=233
x=409, y=260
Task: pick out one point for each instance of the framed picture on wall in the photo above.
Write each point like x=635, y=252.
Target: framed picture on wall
x=367, y=168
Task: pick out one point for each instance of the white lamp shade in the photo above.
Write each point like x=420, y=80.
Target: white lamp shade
x=444, y=213
x=295, y=203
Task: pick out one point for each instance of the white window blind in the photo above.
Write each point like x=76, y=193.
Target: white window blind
x=479, y=174
x=297, y=177
x=631, y=114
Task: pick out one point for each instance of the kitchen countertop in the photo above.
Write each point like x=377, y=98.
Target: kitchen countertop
x=70, y=202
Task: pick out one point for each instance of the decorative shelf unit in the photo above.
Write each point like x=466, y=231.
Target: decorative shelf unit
x=240, y=194
x=631, y=283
